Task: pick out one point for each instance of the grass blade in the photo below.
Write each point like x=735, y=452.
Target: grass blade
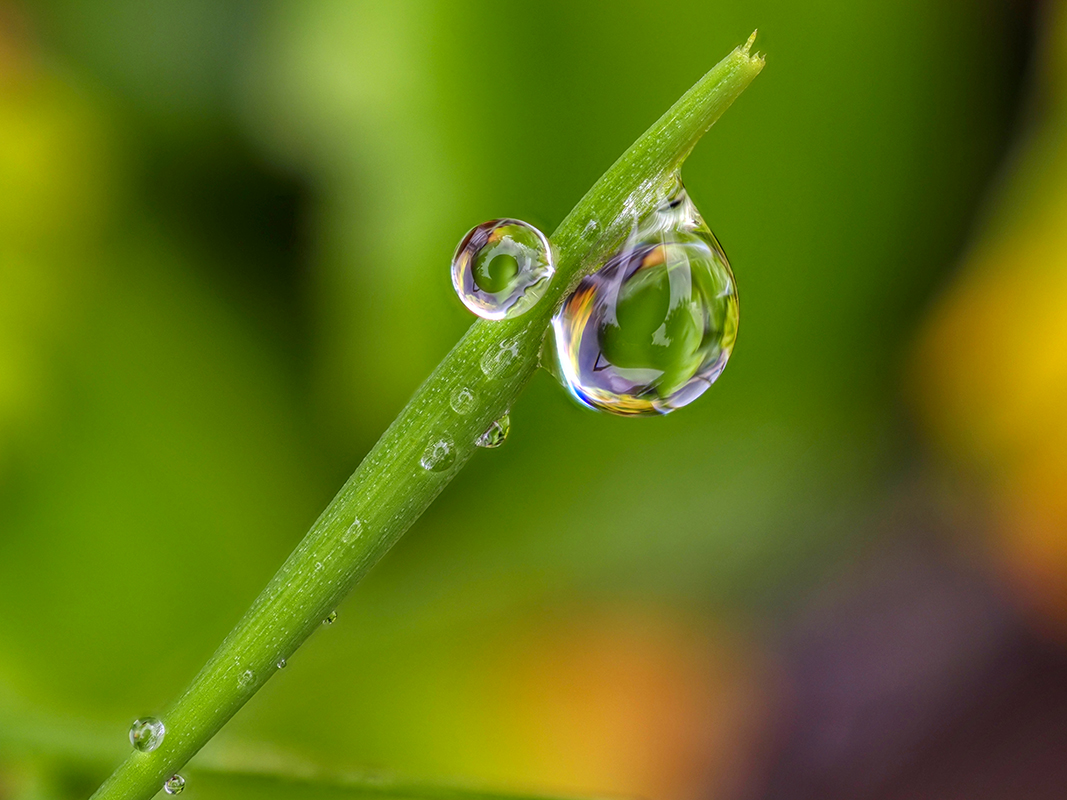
x=391, y=489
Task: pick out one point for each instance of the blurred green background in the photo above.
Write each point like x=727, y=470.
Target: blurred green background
x=225, y=230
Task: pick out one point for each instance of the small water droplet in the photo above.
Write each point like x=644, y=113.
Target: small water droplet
x=175, y=784
x=352, y=532
x=146, y=734
x=246, y=679
x=496, y=433
x=502, y=268
x=462, y=400
x=329, y=620
x=653, y=328
x=439, y=455
x=281, y=663
x=497, y=362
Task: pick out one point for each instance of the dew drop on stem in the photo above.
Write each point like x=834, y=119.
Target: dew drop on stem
x=462, y=400
x=352, y=532
x=175, y=784
x=502, y=268
x=440, y=454
x=498, y=361
x=146, y=734
x=653, y=328
x=496, y=433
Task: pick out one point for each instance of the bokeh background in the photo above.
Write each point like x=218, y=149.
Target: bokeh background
x=225, y=230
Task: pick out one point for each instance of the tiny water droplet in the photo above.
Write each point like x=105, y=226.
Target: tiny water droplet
x=175, y=784
x=330, y=618
x=146, y=734
x=439, y=455
x=281, y=663
x=502, y=268
x=462, y=400
x=496, y=433
x=497, y=362
x=653, y=328
x=352, y=532
x=246, y=678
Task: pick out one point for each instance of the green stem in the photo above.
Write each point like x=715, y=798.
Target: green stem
x=391, y=488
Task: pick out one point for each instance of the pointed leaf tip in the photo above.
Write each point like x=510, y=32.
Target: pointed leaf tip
x=747, y=48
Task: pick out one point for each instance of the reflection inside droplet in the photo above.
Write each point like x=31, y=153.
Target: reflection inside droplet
x=502, y=268
x=175, y=784
x=498, y=361
x=462, y=400
x=653, y=328
x=439, y=455
x=146, y=734
x=496, y=433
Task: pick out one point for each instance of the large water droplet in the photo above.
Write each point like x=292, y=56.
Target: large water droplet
x=496, y=433
x=439, y=455
x=281, y=663
x=175, y=784
x=329, y=619
x=654, y=327
x=502, y=268
x=146, y=734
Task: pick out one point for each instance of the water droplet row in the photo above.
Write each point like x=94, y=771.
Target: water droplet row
x=146, y=735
